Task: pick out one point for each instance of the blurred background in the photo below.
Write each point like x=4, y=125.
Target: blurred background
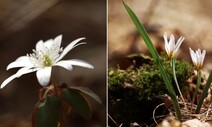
x=22, y=24
x=189, y=18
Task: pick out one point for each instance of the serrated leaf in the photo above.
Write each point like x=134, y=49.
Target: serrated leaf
x=78, y=102
x=47, y=113
x=89, y=93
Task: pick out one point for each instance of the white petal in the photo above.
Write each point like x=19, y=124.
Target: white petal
x=43, y=76
x=198, y=51
x=25, y=70
x=69, y=47
x=57, y=41
x=165, y=37
x=65, y=64
x=78, y=63
x=198, y=56
x=20, y=72
x=22, y=58
x=177, y=46
x=166, y=43
x=49, y=43
x=193, y=56
x=41, y=47
x=172, y=43
x=179, y=42
x=8, y=80
x=20, y=62
x=203, y=57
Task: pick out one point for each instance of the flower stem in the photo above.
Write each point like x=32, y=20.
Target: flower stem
x=197, y=86
x=176, y=82
x=55, y=89
x=56, y=92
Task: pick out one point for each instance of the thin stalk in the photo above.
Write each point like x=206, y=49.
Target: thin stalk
x=197, y=87
x=204, y=93
x=175, y=79
x=53, y=82
x=45, y=92
x=156, y=58
x=55, y=89
x=61, y=121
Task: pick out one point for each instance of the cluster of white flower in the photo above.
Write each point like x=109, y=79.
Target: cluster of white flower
x=171, y=49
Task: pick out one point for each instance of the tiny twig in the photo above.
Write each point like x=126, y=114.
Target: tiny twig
x=155, y=110
x=113, y=121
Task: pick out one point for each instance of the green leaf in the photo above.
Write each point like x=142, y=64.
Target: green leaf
x=89, y=93
x=47, y=114
x=78, y=102
x=156, y=58
x=204, y=93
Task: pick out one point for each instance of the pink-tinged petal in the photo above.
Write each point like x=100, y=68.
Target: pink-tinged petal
x=80, y=63
x=72, y=45
x=65, y=64
x=19, y=73
x=20, y=62
x=43, y=76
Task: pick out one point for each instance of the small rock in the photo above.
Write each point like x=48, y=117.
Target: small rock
x=196, y=123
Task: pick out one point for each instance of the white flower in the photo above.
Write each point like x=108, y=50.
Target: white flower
x=44, y=57
x=170, y=46
x=197, y=58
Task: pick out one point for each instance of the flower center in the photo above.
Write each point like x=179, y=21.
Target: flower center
x=46, y=61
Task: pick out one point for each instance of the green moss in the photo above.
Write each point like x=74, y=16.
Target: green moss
x=132, y=93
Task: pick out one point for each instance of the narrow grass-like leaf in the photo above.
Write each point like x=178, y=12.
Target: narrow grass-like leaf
x=156, y=58
x=204, y=93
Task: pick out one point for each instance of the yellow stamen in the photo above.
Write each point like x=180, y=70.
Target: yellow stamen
x=46, y=61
